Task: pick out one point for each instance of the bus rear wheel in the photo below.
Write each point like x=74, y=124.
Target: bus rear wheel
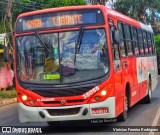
x=147, y=99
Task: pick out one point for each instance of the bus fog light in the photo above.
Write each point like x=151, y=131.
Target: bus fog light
x=97, y=98
x=103, y=92
x=31, y=102
x=24, y=97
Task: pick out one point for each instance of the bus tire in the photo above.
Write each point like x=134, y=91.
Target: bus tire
x=147, y=99
x=124, y=115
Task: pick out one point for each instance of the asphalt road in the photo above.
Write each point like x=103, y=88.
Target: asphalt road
x=139, y=115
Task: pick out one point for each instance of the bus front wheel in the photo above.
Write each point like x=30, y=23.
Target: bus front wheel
x=124, y=115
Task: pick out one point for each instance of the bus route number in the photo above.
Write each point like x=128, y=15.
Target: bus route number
x=36, y=23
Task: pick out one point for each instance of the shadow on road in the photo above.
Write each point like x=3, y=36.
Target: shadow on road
x=70, y=127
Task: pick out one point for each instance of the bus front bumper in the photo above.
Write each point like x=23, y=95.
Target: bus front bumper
x=66, y=113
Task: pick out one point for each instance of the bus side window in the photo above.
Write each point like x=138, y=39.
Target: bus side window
x=115, y=48
x=145, y=42
x=122, y=44
x=135, y=41
x=116, y=52
x=127, y=33
x=149, y=43
x=140, y=42
x=153, y=46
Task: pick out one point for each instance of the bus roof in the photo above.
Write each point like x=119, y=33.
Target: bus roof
x=126, y=19
x=60, y=9
x=109, y=11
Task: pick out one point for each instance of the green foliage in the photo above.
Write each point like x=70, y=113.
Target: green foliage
x=157, y=43
x=1, y=46
x=62, y=3
x=137, y=8
x=8, y=94
x=30, y=5
x=22, y=6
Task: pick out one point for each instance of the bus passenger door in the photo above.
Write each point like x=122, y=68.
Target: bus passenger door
x=117, y=75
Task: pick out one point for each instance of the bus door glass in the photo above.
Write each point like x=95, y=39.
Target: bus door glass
x=117, y=67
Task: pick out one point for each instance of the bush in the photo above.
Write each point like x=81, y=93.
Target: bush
x=8, y=94
x=1, y=46
x=157, y=43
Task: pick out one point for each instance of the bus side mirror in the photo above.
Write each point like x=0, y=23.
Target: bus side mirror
x=6, y=56
x=117, y=36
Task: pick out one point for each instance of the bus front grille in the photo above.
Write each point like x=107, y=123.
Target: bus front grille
x=62, y=92
x=68, y=101
x=60, y=112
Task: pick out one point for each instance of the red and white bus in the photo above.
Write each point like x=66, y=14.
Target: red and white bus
x=82, y=63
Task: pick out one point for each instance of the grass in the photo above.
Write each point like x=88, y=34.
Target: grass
x=8, y=94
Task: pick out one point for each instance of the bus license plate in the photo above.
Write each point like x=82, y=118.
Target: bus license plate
x=99, y=110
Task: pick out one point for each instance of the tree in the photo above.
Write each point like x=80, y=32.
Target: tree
x=62, y=3
x=22, y=6
x=95, y=2
x=137, y=8
x=157, y=43
x=8, y=17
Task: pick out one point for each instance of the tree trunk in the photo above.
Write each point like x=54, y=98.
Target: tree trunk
x=142, y=15
x=9, y=19
x=95, y=2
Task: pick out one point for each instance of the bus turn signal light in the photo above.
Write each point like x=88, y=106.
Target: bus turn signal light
x=97, y=98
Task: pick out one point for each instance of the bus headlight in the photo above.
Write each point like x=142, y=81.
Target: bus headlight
x=103, y=92
x=24, y=97
x=101, y=95
x=26, y=100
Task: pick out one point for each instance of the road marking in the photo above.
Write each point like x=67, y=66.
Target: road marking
x=155, y=121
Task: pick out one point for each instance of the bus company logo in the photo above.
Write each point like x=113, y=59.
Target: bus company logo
x=45, y=99
x=63, y=101
x=6, y=129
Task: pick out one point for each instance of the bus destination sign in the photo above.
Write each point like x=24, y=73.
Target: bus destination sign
x=59, y=20
x=56, y=21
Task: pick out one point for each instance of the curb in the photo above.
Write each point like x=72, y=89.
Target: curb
x=7, y=101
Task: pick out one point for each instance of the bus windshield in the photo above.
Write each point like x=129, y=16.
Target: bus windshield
x=62, y=64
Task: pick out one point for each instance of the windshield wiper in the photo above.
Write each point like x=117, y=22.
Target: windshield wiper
x=78, y=42
x=49, y=51
x=41, y=41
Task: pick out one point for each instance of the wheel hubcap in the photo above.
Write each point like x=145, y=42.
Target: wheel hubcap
x=149, y=89
x=126, y=104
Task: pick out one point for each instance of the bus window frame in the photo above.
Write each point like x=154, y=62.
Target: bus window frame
x=122, y=40
x=153, y=45
x=128, y=40
x=141, y=42
x=113, y=44
x=145, y=44
x=149, y=44
x=135, y=41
